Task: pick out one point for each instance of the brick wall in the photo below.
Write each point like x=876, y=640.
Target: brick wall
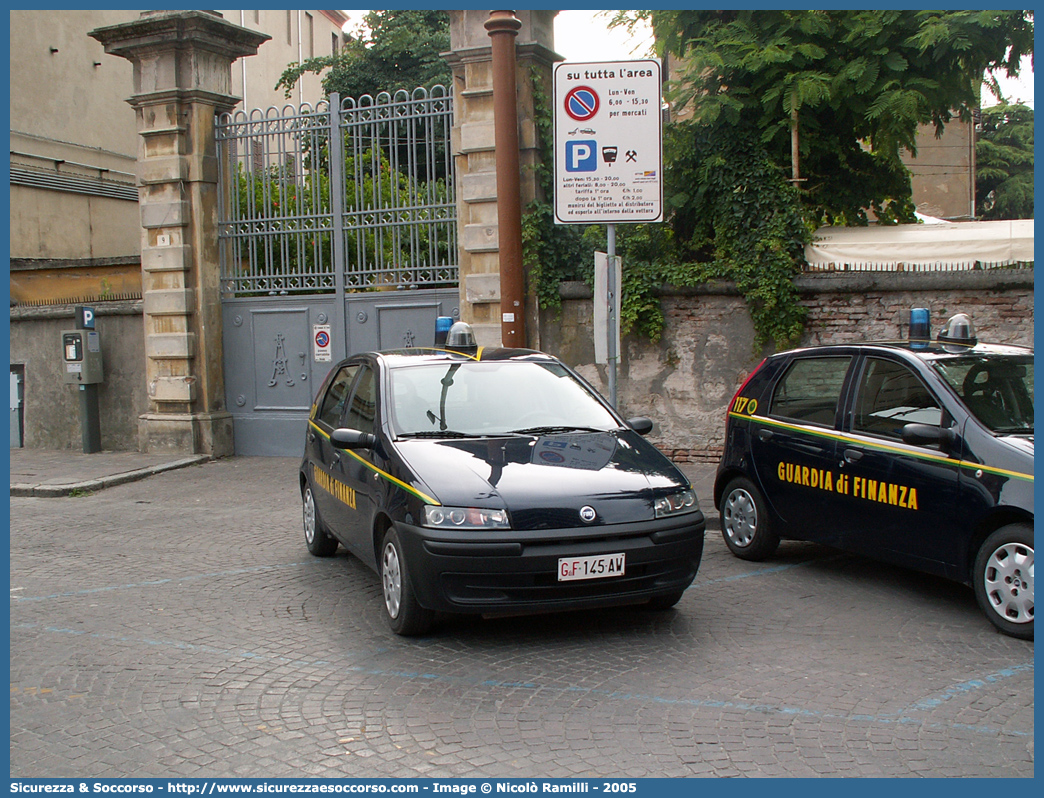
x=685, y=381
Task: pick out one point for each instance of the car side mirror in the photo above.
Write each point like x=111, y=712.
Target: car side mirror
x=352, y=439
x=928, y=435
x=640, y=424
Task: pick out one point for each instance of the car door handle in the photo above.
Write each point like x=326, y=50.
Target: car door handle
x=336, y=459
x=764, y=434
x=311, y=437
x=853, y=455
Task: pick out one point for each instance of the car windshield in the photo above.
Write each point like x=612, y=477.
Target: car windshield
x=491, y=398
x=997, y=389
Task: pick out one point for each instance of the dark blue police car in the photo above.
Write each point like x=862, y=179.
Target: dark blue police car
x=919, y=453
x=492, y=481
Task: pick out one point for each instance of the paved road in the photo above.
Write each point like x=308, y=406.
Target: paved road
x=177, y=627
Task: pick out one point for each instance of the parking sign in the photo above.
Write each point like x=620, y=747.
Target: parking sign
x=608, y=142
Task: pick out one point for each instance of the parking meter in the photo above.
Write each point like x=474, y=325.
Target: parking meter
x=81, y=356
x=82, y=366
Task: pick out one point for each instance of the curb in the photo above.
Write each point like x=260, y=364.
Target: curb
x=92, y=485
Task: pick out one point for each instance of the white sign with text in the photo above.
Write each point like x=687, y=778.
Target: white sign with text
x=608, y=142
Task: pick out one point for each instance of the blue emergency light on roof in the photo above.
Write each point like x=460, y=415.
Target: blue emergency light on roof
x=461, y=338
x=920, y=327
x=958, y=334
x=442, y=328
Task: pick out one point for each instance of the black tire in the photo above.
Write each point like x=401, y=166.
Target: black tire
x=405, y=616
x=665, y=602
x=745, y=522
x=1003, y=579
x=318, y=540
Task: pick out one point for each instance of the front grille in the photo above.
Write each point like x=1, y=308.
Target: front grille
x=544, y=587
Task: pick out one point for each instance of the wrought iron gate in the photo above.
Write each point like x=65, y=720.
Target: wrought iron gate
x=337, y=234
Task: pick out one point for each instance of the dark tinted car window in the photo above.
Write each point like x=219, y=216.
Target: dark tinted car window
x=491, y=397
x=890, y=396
x=997, y=389
x=810, y=390
x=363, y=405
x=336, y=396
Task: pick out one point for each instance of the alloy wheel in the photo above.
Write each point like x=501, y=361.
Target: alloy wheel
x=1008, y=580
x=741, y=517
x=391, y=579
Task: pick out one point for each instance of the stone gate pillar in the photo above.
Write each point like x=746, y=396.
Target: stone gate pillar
x=474, y=147
x=182, y=81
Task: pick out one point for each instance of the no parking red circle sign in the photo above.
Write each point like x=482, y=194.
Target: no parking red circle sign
x=581, y=103
x=321, y=336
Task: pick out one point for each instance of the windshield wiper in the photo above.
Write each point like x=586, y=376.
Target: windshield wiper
x=552, y=430
x=437, y=433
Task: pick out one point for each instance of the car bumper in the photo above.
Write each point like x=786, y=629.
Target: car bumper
x=480, y=572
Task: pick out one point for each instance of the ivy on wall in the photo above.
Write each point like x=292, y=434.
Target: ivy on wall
x=731, y=216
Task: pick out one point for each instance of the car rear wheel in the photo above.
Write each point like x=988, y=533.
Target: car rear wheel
x=1004, y=579
x=745, y=522
x=405, y=616
x=318, y=541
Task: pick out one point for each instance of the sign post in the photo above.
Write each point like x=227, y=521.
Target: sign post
x=608, y=159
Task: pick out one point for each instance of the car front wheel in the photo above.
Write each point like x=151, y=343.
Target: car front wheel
x=745, y=522
x=318, y=541
x=405, y=616
x=1003, y=579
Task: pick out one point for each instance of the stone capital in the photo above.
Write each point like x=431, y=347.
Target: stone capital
x=181, y=52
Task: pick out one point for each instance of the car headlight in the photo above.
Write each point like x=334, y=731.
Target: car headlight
x=464, y=518
x=683, y=501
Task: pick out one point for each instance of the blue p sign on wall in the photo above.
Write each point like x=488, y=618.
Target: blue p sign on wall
x=581, y=156
x=84, y=317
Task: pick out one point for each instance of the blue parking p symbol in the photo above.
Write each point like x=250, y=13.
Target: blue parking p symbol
x=581, y=156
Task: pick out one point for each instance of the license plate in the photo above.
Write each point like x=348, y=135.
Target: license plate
x=600, y=566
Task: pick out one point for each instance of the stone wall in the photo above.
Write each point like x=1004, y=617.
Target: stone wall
x=52, y=407
x=685, y=381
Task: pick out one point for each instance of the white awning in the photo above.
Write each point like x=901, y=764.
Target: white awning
x=952, y=245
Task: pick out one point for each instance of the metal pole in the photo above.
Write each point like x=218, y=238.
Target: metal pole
x=335, y=147
x=503, y=27
x=90, y=425
x=611, y=316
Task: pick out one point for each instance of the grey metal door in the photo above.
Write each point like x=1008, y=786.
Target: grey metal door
x=337, y=234
x=274, y=365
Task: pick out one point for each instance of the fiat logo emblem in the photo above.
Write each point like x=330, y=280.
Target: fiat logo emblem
x=588, y=514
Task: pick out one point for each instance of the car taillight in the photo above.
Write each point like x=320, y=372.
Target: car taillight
x=732, y=402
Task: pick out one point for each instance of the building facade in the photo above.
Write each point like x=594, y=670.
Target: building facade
x=75, y=231
x=75, y=226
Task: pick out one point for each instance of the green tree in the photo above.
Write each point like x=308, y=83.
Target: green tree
x=792, y=119
x=850, y=86
x=396, y=49
x=1004, y=162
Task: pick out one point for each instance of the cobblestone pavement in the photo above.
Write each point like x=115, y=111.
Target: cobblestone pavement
x=177, y=627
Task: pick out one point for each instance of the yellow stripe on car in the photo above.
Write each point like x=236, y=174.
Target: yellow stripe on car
x=419, y=494
x=883, y=447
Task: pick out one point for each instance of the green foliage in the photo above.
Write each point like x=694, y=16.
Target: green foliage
x=860, y=83
x=294, y=243
x=1004, y=162
x=733, y=204
x=734, y=218
x=397, y=49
